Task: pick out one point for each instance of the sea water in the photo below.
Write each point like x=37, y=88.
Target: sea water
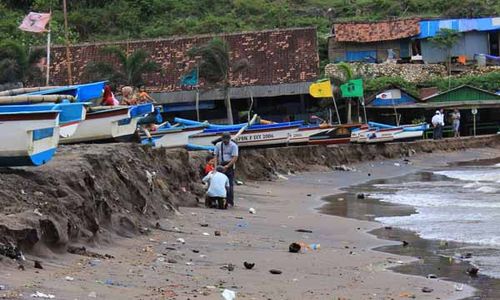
x=460, y=204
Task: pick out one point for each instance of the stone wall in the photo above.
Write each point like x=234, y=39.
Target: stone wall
x=410, y=72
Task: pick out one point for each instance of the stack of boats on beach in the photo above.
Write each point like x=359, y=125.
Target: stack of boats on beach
x=203, y=135
x=34, y=121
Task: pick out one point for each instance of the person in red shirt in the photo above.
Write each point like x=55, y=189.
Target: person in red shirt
x=210, y=164
x=108, y=99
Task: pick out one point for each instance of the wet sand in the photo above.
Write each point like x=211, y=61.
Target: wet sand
x=429, y=261
x=158, y=266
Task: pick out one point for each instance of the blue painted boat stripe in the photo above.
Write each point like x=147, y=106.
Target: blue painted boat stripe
x=39, y=134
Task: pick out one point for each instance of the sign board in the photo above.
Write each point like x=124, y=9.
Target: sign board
x=474, y=111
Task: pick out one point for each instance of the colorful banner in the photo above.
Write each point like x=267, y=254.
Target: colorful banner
x=321, y=89
x=35, y=22
x=353, y=88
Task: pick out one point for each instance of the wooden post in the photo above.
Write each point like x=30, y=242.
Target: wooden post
x=66, y=34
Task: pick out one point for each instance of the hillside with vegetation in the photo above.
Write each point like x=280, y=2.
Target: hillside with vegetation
x=98, y=20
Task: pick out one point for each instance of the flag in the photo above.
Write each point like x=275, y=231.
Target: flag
x=321, y=89
x=353, y=88
x=35, y=22
x=191, y=78
x=385, y=95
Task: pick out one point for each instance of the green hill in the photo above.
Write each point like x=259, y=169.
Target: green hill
x=98, y=20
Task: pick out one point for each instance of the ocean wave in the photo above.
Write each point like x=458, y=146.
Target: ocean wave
x=487, y=175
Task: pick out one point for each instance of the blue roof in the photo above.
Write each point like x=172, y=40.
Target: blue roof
x=429, y=28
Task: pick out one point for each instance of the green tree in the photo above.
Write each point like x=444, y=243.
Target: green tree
x=215, y=67
x=445, y=39
x=18, y=64
x=130, y=69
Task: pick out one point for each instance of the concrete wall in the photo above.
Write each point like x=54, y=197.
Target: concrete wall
x=469, y=44
x=337, y=51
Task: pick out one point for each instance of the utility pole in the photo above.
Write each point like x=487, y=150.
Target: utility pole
x=66, y=34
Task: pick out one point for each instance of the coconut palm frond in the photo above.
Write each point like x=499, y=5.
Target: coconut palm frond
x=346, y=70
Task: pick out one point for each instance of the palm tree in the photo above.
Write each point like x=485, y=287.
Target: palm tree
x=129, y=70
x=344, y=74
x=18, y=64
x=215, y=67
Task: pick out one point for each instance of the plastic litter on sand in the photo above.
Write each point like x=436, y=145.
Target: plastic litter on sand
x=228, y=295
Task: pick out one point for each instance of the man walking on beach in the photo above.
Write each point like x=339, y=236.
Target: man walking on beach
x=226, y=153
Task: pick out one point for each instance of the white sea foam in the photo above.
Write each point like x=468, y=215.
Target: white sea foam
x=489, y=175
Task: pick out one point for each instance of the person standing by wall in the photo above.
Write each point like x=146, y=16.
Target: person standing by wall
x=436, y=124
x=455, y=117
x=226, y=153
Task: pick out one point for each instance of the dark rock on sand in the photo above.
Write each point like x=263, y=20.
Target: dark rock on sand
x=472, y=271
x=248, y=265
x=275, y=272
x=38, y=264
x=427, y=290
x=304, y=230
x=294, y=248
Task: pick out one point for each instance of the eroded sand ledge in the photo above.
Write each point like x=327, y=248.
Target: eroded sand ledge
x=92, y=193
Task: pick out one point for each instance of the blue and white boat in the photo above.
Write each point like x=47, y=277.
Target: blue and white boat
x=29, y=138
x=168, y=136
x=87, y=92
x=252, y=136
x=109, y=123
x=71, y=114
x=378, y=132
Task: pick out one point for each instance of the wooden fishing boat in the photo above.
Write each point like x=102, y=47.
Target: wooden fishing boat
x=338, y=134
x=70, y=116
x=378, y=132
x=303, y=133
x=81, y=92
x=29, y=138
x=109, y=123
x=171, y=137
x=254, y=136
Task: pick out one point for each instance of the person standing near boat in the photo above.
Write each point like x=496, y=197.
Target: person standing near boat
x=455, y=116
x=436, y=123
x=226, y=153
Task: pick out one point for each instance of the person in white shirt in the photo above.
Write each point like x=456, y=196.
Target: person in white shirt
x=218, y=184
x=437, y=123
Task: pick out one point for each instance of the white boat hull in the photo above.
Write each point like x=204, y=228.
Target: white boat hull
x=301, y=136
x=177, y=138
x=408, y=135
x=103, y=126
x=28, y=141
x=251, y=138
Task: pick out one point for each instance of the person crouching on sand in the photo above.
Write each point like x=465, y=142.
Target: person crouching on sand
x=218, y=184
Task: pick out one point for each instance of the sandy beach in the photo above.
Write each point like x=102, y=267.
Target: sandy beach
x=157, y=265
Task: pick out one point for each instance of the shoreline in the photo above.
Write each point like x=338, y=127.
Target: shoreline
x=444, y=266
x=155, y=265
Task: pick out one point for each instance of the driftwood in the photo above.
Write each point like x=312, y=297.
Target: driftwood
x=35, y=99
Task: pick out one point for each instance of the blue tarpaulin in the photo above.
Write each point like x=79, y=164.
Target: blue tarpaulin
x=429, y=28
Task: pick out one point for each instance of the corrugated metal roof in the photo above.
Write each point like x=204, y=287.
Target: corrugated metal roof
x=429, y=28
